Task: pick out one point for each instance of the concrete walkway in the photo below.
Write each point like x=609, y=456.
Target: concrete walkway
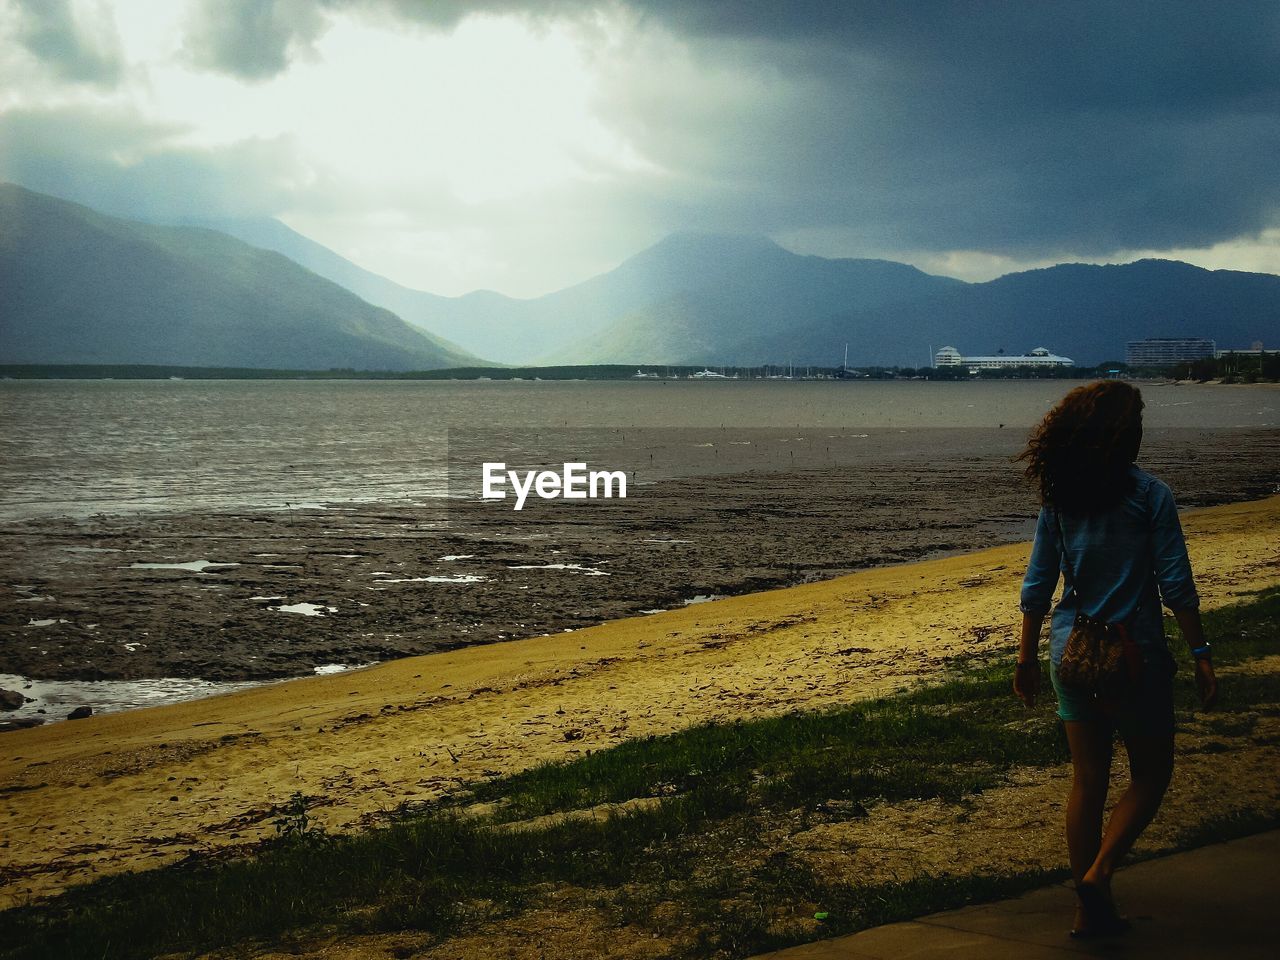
x=1218, y=901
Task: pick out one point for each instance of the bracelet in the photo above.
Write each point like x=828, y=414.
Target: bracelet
x=1201, y=652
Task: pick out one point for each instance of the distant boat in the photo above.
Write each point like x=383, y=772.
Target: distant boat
x=641, y=375
x=705, y=374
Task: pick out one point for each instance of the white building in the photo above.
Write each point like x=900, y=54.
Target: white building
x=1039, y=357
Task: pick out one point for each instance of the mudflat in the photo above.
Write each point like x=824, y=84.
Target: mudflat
x=258, y=595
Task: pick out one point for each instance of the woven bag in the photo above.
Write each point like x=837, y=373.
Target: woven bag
x=1098, y=659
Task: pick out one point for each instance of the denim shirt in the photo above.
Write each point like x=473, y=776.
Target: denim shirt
x=1125, y=562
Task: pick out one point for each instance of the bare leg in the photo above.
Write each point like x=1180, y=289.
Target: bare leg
x=1091, y=776
x=1150, y=768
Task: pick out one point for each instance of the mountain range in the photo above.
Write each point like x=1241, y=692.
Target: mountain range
x=720, y=300
x=1085, y=311
x=83, y=287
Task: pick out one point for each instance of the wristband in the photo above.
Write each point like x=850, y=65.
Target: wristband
x=1201, y=652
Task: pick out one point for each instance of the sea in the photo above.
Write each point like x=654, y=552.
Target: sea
x=83, y=447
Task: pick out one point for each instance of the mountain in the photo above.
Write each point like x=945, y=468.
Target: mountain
x=417, y=306
x=485, y=322
x=723, y=294
x=1085, y=311
x=82, y=287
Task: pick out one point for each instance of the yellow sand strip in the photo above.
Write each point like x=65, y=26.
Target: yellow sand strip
x=138, y=789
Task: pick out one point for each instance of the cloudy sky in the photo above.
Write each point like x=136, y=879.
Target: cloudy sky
x=524, y=146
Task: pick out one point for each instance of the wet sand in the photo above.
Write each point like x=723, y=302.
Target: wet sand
x=132, y=790
x=281, y=593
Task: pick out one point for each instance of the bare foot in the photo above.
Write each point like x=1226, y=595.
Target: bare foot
x=1096, y=914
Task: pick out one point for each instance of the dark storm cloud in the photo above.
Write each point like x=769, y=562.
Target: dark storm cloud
x=253, y=39
x=1020, y=128
x=935, y=156
x=79, y=52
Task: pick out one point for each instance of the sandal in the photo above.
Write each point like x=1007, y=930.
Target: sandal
x=1100, y=916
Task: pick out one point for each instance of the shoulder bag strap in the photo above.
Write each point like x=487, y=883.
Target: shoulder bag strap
x=1062, y=542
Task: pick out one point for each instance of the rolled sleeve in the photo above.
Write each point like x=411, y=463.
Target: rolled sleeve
x=1043, y=569
x=1169, y=552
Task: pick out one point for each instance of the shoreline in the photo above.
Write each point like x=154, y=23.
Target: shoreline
x=146, y=787
x=563, y=373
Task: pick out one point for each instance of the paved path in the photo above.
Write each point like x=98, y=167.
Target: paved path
x=1218, y=901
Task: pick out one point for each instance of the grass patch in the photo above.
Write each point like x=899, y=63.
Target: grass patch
x=940, y=740
x=696, y=851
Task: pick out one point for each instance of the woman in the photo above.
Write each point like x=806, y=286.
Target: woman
x=1112, y=532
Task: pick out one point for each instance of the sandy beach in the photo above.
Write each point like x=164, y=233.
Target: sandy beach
x=138, y=789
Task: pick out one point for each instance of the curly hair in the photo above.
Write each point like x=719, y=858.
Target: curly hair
x=1079, y=455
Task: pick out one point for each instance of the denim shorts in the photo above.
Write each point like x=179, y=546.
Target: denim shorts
x=1149, y=711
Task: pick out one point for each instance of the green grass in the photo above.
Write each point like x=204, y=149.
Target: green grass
x=939, y=741
x=713, y=792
